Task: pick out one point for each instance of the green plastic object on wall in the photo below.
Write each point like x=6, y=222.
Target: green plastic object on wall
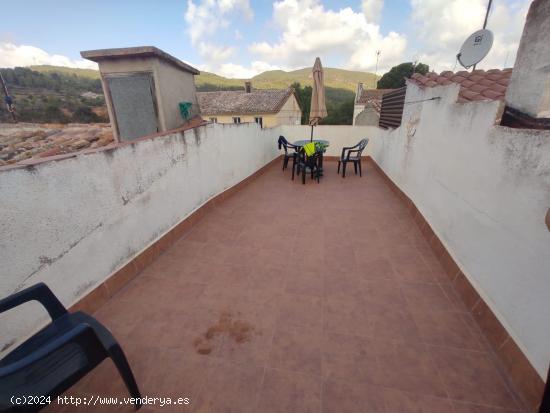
x=185, y=110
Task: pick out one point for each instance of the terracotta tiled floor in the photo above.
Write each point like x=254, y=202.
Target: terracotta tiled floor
x=350, y=311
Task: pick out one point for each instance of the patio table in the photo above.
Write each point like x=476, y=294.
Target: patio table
x=302, y=142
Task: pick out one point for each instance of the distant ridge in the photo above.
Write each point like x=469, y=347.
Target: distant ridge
x=273, y=79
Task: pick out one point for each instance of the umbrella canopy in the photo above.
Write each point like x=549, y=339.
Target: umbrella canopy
x=318, y=108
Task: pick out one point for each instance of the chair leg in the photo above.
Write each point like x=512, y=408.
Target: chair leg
x=360, y=171
x=293, y=169
x=355, y=167
x=119, y=359
x=304, y=173
x=338, y=167
x=344, y=164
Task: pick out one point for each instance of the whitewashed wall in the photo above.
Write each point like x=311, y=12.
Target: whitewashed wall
x=72, y=223
x=485, y=191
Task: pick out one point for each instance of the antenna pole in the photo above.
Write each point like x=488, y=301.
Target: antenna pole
x=376, y=70
x=487, y=14
x=486, y=18
x=8, y=98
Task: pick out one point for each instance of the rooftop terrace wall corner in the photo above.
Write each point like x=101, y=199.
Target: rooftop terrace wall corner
x=100, y=55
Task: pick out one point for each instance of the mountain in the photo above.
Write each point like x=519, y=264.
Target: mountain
x=88, y=73
x=273, y=79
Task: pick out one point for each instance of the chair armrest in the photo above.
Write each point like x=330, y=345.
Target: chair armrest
x=39, y=292
x=82, y=334
x=347, y=148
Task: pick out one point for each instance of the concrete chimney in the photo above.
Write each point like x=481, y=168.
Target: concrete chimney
x=359, y=91
x=248, y=86
x=529, y=88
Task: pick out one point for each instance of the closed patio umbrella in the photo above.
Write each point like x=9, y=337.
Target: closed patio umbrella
x=318, y=108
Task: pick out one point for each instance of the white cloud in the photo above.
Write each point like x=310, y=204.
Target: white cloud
x=442, y=26
x=12, y=55
x=310, y=30
x=232, y=70
x=208, y=16
x=372, y=9
x=204, y=19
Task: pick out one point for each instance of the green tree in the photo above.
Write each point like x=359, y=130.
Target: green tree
x=395, y=78
x=304, y=99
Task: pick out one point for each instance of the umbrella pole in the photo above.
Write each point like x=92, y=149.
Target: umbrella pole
x=311, y=138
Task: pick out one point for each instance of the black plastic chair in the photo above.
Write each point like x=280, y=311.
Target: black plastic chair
x=291, y=151
x=307, y=164
x=352, y=154
x=56, y=357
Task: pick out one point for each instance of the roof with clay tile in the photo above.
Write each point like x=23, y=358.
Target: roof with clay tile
x=23, y=141
x=372, y=98
x=240, y=102
x=474, y=86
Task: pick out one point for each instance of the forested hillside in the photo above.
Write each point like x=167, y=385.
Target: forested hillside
x=54, y=97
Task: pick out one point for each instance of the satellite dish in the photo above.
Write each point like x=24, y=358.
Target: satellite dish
x=475, y=48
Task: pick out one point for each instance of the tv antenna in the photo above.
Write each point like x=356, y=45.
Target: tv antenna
x=378, y=52
x=477, y=45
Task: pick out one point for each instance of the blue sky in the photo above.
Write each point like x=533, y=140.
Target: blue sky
x=239, y=38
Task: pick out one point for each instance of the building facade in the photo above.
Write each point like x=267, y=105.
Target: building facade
x=267, y=107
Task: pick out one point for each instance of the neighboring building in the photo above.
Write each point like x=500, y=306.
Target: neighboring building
x=267, y=107
x=368, y=102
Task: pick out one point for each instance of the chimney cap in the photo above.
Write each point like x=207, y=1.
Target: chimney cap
x=101, y=55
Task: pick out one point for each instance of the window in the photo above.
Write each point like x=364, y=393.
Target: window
x=214, y=120
x=259, y=121
x=237, y=119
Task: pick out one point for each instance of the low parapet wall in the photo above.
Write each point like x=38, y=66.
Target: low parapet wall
x=72, y=223
x=484, y=191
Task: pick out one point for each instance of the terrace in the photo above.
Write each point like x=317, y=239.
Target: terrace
x=422, y=286
x=339, y=303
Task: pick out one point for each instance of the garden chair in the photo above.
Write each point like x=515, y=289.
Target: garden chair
x=352, y=154
x=57, y=356
x=291, y=151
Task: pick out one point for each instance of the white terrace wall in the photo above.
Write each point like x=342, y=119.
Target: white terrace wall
x=485, y=191
x=71, y=223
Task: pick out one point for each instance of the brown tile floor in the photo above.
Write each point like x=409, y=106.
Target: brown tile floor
x=350, y=311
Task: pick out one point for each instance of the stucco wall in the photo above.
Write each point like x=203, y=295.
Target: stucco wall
x=529, y=89
x=72, y=223
x=290, y=114
x=485, y=191
x=357, y=109
x=175, y=86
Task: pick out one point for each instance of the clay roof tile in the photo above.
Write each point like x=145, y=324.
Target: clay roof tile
x=477, y=85
x=468, y=94
x=492, y=94
x=477, y=88
x=241, y=102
